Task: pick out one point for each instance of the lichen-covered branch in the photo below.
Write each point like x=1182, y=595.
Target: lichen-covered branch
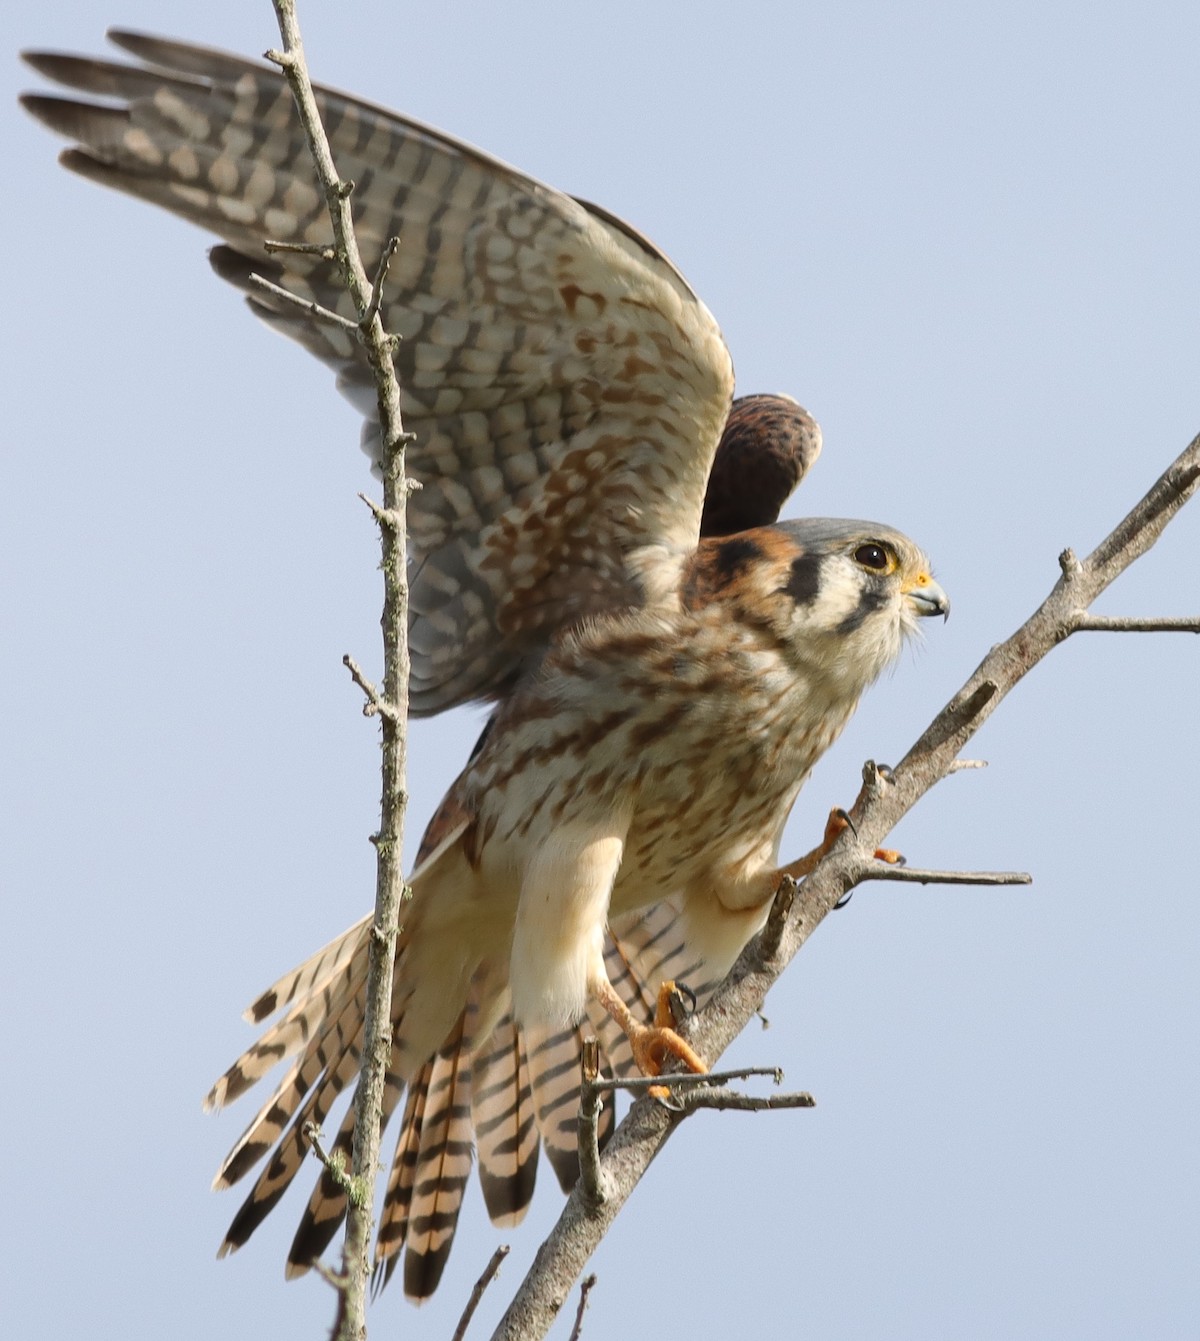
x=884, y=800
x=389, y=702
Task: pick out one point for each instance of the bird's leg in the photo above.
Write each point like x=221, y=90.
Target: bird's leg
x=837, y=822
x=653, y=1045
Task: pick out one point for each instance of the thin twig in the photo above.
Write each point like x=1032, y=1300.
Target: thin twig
x=585, y=1289
x=381, y=514
x=880, y=870
x=334, y=1166
x=781, y=907
x=959, y=765
x=489, y=1274
x=376, y=703
x=381, y=271
x=683, y=1080
x=329, y=1275
x=320, y=249
x=725, y=1099
x=305, y=305
x=1117, y=624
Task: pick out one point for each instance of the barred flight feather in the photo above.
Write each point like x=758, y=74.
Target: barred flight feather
x=529, y=321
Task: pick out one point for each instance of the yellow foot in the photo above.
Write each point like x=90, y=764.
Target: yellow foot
x=657, y=1044
x=653, y=1045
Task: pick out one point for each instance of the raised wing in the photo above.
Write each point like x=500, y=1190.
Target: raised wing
x=566, y=386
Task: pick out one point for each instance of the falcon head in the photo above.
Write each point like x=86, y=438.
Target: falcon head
x=840, y=596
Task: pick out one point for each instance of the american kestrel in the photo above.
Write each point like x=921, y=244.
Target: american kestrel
x=661, y=697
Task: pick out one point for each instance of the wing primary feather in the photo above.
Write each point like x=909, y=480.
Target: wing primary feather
x=548, y=348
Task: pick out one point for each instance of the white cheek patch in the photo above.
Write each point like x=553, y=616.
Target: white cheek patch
x=837, y=599
x=851, y=627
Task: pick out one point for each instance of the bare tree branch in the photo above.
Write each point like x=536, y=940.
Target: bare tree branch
x=684, y=1080
x=390, y=704
x=585, y=1290
x=490, y=1272
x=305, y=305
x=1116, y=624
x=321, y=249
x=591, y=1091
x=724, y=1099
x=885, y=798
x=914, y=875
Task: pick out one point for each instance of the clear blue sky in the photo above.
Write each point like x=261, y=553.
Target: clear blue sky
x=966, y=237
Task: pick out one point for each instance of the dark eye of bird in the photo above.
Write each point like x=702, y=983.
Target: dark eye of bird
x=871, y=555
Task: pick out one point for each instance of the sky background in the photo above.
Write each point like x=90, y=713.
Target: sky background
x=966, y=238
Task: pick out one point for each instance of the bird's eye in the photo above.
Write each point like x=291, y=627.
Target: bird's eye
x=874, y=555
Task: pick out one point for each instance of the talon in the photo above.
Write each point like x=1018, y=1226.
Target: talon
x=667, y=1013
x=666, y=1098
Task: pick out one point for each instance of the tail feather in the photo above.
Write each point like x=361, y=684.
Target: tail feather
x=338, y=1050
x=393, y=1223
x=646, y=948
x=312, y=1072
x=506, y=1133
x=307, y=978
x=303, y=1027
x=326, y=1207
x=491, y=1085
x=553, y=1061
x=293, y=1145
x=443, y=1162
x=274, y=1115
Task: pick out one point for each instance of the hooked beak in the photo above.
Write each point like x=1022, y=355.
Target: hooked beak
x=926, y=597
